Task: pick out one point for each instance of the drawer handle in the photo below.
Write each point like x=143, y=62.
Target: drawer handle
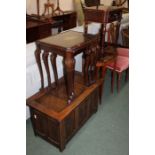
x=35, y=116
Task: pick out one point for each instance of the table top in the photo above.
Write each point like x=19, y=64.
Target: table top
x=30, y=23
x=68, y=40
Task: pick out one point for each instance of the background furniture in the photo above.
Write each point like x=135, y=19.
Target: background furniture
x=89, y=3
x=36, y=29
x=58, y=11
x=68, y=18
x=48, y=9
x=103, y=15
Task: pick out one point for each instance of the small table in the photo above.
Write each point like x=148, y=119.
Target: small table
x=102, y=14
x=68, y=44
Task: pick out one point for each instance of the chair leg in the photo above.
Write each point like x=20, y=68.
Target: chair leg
x=112, y=80
x=118, y=81
x=101, y=87
x=126, y=75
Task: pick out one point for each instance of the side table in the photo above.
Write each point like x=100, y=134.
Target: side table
x=68, y=44
x=102, y=14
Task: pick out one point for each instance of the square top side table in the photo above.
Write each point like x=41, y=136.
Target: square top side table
x=68, y=44
x=102, y=14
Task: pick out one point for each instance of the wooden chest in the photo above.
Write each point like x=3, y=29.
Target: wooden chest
x=55, y=120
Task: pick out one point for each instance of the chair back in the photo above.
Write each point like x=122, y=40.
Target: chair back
x=89, y=3
x=113, y=32
x=125, y=37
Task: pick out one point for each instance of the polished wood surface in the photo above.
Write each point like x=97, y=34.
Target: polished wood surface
x=89, y=3
x=55, y=120
x=68, y=18
x=36, y=29
x=68, y=44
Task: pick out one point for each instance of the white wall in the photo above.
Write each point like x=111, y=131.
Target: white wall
x=31, y=6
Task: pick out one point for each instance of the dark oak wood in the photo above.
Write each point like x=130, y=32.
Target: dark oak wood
x=36, y=29
x=103, y=15
x=53, y=62
x=68, y=18
x=68, y=45
x=56, y=121
x=89, y=3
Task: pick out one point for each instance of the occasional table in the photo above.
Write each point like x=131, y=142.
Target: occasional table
x=102, y=14
x=68, y=44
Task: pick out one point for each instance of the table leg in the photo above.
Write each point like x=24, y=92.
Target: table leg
x=87, y=60
x=37, y=56
x=69, y=65
x=53, y=62
x=45, y=60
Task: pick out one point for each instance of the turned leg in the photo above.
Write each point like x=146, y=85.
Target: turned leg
x=86, y=67
x=53, y=62
x=37, y=56
x=69, y=65
x=92, y=66
x=118, y=81
x=83, y=63
x=45, y=59
x=93, y=63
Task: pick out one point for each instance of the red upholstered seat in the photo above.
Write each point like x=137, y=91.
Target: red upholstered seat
x=121, y=64
x=123, y=52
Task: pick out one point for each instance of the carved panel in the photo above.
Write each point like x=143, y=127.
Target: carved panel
x=83, y=112
x=69, y=124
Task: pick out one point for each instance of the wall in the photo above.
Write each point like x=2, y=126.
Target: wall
x=31, y=5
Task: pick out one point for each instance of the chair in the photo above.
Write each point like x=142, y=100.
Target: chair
x=121, y=64
x=47, y=13
x=125, y=37
x=115, y=59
